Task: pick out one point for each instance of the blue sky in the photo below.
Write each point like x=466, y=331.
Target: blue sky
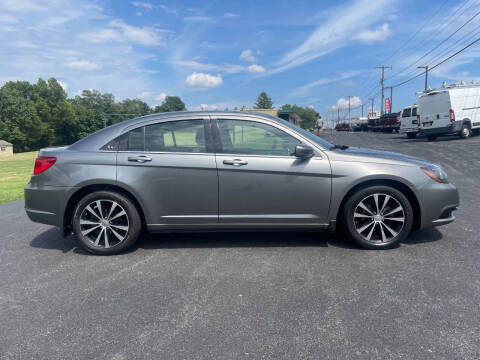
x=219, y=54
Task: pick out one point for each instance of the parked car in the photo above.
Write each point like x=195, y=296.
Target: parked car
x=373, y=123
x=390, y=122
x=343, y=127
x=361, y=124
x=451, y=109
x=409, y=121
x=230, y=170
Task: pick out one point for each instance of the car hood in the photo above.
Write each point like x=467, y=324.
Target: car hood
x=371, y=155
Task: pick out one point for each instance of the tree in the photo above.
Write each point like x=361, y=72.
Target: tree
x=171, y=103
x=130, y=108
x=308, y=116
x=19, y=122
x=263, y=101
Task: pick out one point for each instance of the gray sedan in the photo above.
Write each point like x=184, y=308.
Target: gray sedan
x=230, y=170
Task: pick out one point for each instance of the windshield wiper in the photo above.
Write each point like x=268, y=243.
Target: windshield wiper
x=341, y=147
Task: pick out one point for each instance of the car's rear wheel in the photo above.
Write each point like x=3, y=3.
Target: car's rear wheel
x=411, y=135
x=377, y=217
x=106, y=222
x=431, y=137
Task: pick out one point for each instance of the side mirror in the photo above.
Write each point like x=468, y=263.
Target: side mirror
x=303, y=151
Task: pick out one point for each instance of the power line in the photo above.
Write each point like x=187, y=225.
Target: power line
x=417, y=32
x=440, y=63
x=438, y=45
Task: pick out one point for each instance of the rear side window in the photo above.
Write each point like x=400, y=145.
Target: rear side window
x=176, y=136
x=406, y=112
x=132, y=140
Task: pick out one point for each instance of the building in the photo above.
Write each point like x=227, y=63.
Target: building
x=6, y=149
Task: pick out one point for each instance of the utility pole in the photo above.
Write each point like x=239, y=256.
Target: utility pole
x=362, y=109
x=382, y=82
x=349, y=121
x=371, y=99
x=426, y=75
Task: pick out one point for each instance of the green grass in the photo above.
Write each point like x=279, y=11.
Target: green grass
x=15, y=172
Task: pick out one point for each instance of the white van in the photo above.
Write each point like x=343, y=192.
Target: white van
x=451, y=109
x=409, y=121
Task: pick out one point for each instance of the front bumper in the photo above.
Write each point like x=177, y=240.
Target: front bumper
x=437, y=203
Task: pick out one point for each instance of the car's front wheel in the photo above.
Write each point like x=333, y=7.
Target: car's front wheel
x=377, y=217
x=106, y=222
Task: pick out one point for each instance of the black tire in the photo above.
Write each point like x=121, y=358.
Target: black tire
x=114, y=223
x=411, y=135
x=431, y=137
x=386, y=233
x=466, y=132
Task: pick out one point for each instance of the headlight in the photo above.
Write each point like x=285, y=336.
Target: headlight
x=436, y=173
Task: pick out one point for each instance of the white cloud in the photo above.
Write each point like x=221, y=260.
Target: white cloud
x=197, y=18
x=342, y=103
x=230, y=15
x=119, y=31
x=63, y=84
x=20, y=5
x=161, y=97
x=247, y=55
x=255, y=68
x=379, y=34
x=51, y=42
x=145, y=95
x=84, y=65
x=340, y=26
x=224, y=68
x=302, y=90
x=205, y=107
x=144, y=5
x=201, y=80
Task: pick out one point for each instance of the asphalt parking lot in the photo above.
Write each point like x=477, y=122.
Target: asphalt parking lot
x=251, y=295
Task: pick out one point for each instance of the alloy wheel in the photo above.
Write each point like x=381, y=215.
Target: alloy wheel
x=104, y=223
x=379, y=218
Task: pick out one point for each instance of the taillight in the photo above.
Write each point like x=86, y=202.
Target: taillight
x=42, y=164
x=452, y=115
x=418, y=120
x=398, y=119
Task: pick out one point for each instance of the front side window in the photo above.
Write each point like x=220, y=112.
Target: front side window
x=176, y=136
x=255, y=138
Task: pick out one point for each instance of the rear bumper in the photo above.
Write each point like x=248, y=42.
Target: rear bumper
x=446, y=130
x=46, y=204
x=409, y=130
x=437, y=202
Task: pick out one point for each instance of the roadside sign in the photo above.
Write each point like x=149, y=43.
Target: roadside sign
x=387, y=106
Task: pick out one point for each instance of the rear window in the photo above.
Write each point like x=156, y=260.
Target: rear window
x=414, y=112
x=406, y=112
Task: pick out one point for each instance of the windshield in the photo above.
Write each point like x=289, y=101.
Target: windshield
x=316, y=139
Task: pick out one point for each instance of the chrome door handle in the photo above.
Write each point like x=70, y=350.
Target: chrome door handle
x=139, y=158
x=235, y=162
